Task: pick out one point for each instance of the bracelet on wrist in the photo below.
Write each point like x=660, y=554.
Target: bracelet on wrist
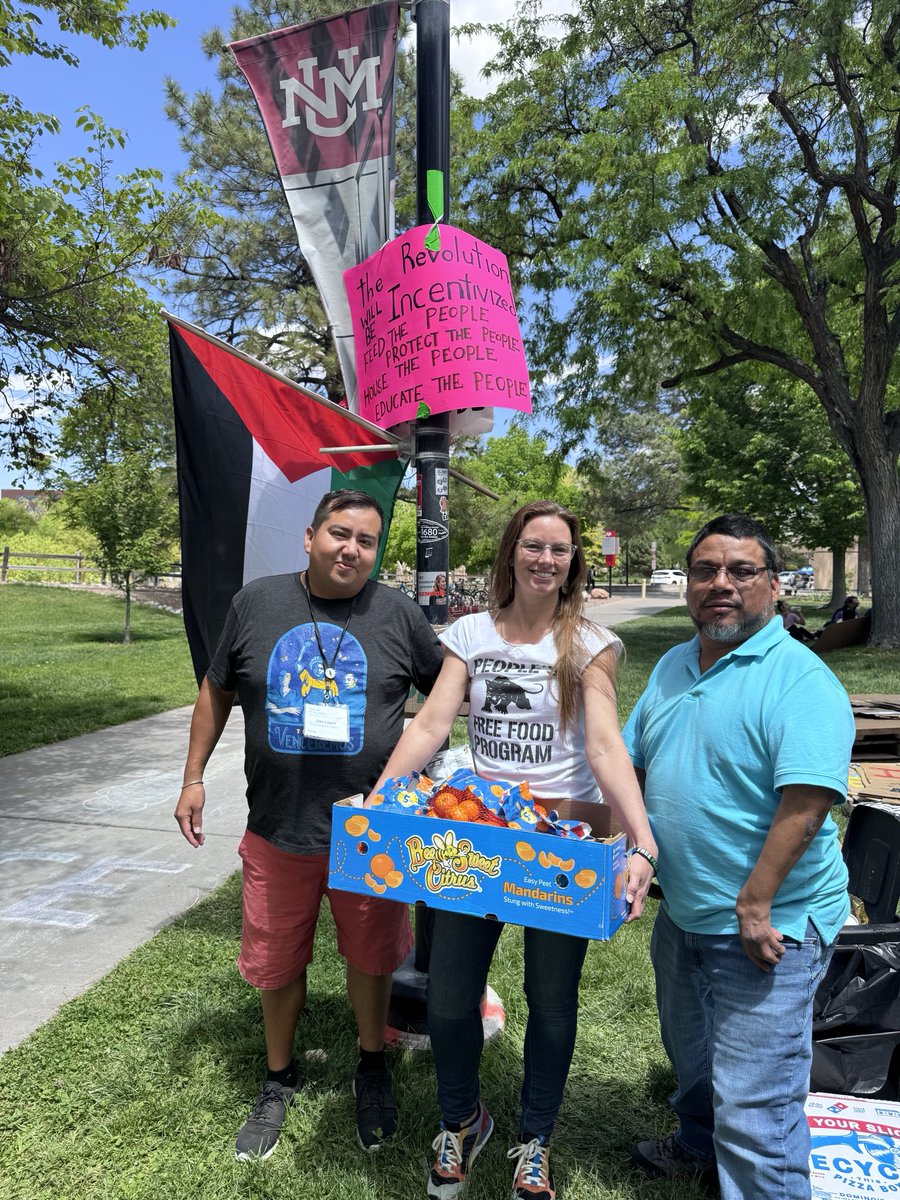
x=647, y=855
x=190, y=783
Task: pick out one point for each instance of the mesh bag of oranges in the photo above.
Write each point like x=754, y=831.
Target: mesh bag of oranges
x=465, y=796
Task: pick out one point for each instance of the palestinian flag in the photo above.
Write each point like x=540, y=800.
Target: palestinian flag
x=250, y=474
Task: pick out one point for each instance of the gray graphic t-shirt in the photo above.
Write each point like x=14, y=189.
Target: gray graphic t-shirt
x=270, y=654
x=513, y=711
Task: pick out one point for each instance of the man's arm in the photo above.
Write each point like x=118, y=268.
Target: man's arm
x=797, y=820
x=209, y=718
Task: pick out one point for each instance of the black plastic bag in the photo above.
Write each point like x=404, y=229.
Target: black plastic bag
x=856, y=1016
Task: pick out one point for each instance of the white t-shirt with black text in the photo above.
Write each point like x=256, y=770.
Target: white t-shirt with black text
x=513, y=708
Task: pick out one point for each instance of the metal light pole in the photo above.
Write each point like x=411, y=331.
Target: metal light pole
x=432, y=434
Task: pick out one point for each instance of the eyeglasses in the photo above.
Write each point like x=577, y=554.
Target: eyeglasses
x=742, y=573
x=532, y=548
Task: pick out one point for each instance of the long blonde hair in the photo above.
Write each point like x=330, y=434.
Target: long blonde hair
x=568, y=618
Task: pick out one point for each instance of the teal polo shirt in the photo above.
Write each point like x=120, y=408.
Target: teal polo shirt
x=717, y=749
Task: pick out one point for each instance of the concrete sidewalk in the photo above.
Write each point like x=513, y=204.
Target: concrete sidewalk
x=92, y=863
x=619, y=609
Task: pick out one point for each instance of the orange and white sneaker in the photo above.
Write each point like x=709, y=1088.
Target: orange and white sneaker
x=455, y=1154
x=533, y=1179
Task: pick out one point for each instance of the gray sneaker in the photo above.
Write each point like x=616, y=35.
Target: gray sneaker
x=667, y=1159
x=259, y=1134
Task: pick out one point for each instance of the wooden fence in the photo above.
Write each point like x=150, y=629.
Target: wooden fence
x=78, y=565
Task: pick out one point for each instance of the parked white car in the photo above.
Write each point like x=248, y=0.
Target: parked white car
x=788, y=581
x=669, y=577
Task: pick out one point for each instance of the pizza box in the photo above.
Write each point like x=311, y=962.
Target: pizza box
x=855, y=1146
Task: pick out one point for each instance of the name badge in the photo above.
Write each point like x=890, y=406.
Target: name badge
x=327, y=722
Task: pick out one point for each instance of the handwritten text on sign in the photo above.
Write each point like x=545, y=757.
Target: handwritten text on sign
x=435, y=327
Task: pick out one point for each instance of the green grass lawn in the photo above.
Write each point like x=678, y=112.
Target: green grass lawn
x=65, y=670
x=859, y=668
x=136, y=1089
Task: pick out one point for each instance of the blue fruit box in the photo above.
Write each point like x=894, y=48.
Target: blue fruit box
x=561, y=884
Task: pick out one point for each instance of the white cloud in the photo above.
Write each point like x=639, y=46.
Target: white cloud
x=468, y=55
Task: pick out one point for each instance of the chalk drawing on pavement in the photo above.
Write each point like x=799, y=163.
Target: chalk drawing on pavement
x=8, y=856
x=44, y=905
x=136, y=793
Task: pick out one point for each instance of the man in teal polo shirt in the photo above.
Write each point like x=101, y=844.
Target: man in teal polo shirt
x=742, y=739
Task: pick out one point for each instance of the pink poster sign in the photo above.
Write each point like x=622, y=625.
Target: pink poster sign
x=435, y=328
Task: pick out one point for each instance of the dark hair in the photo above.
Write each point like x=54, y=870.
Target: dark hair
x=737, y=525
x=340, y=499
x=568, y=618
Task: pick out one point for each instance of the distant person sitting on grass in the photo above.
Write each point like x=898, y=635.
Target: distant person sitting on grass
x=794, y=622
x=848, y=611
x=321, y=662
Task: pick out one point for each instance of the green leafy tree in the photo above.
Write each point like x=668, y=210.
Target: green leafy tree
x=54, y=533
x=128, y=507
x=73, y=318
x=761, y=449
x=401, y=543
x=635, y=481
x=519, y=468
x=694, y=186
x=15, y=518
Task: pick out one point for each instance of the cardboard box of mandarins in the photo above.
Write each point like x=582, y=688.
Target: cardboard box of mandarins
x=561, y=884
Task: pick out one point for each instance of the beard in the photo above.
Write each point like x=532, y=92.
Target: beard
x=740, y=631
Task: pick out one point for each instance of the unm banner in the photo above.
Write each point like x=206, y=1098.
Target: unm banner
x=435, y=329
x=325, y=91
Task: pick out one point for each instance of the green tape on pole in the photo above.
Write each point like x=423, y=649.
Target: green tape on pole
x=423, y=412
x=434, y=191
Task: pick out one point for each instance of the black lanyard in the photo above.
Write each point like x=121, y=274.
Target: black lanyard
x=330, y=672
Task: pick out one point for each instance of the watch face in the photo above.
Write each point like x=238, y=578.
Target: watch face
x=330, y=673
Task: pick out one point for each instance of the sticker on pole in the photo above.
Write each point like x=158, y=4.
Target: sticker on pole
x=435, y=327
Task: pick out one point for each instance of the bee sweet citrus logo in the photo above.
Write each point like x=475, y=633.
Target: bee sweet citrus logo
x=448, y=863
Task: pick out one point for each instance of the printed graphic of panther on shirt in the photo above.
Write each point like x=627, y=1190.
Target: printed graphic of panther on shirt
x=501, y=691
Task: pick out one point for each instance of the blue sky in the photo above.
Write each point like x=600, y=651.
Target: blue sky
x=125, y=87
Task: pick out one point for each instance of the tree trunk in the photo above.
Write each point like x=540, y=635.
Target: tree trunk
x=881, y=487
x=863, y=574
x=872, y=444
x=838, y=577
x=127, y=637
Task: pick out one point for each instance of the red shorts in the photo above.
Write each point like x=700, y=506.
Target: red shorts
x=282, y=896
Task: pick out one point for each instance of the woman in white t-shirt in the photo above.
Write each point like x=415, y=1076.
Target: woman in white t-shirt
x=542, y=708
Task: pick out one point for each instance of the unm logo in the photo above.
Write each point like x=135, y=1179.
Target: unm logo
x=350, y=82
x=450, y=864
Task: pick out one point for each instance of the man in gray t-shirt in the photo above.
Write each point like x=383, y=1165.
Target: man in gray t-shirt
x=321, y=664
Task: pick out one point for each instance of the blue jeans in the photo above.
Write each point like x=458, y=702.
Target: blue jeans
x=740, y=1040
x=461, y=954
